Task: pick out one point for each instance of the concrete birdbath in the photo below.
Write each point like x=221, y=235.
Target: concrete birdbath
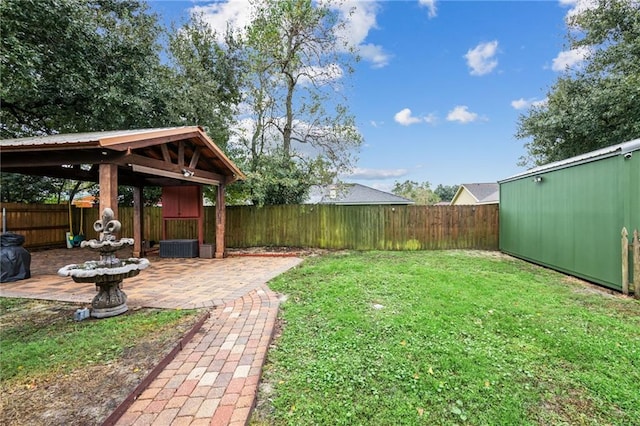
x=108, y=272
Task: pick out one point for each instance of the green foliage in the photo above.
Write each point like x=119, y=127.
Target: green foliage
x=73, y=66
x=596, y=106
x=446, y=192
x=151, y=195
x=421, y=193
x=16, y=188
x=204, y=79
x=278, y=179
x=449, y=337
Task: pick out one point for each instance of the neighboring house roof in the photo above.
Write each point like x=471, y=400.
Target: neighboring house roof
x=610, y=151
x=481, y=193
x=352, y=194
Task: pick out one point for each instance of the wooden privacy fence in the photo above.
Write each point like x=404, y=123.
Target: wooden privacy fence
x=630, y=251
x=321, y=226
x=364, y=227
x=42, y=225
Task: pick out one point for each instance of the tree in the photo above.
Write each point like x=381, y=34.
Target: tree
x=278, y=181
x=204, y=79
x=421, y=193
x=151, y=195
x=596, y=106
x=73, y=66
x=15, y=188
x=295, y=61
x=446, y=192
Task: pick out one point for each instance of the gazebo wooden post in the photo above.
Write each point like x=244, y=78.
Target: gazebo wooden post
x=138, y=221
x=108, y=181
x=221, y=217
x=200, y=216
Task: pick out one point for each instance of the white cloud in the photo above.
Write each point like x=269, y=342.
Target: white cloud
x=520, y=103
x=526, y=103
x=374, y=54
x=570, y=58
x=430, y=5
x=364, y=173
x=406, y=118
x=430, y=118
x=577, y=6
x=462, y=114
x=376, y=124
x=360, y=18
x=481, y=59
x=236, y=13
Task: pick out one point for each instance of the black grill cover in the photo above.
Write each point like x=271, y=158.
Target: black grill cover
x=15, y=260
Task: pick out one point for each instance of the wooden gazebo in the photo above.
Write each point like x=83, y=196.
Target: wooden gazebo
x=167, y=157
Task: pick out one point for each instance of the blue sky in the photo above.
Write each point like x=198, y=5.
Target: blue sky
x=441, y=84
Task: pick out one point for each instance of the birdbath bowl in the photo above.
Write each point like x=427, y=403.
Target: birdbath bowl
x=108, y=272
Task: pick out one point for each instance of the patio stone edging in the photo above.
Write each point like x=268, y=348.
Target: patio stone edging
x=291, y=254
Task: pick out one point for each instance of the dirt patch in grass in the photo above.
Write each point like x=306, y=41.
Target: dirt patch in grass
x=567, y=406
x=277, y=251
x=85, y=395
x=483, y=253
x=581, y=286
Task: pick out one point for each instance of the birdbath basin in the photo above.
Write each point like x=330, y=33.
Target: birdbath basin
x=108, y=272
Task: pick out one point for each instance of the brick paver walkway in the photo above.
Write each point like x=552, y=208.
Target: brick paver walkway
x=214, y=379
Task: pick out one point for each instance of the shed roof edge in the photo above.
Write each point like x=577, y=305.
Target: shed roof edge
x=619, y=149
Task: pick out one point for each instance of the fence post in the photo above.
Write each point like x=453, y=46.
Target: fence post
x=636, y=264
x=625, y=261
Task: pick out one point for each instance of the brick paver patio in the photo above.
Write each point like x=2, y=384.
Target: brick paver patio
x=214, y=379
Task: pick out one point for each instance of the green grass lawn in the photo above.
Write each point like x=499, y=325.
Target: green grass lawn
x=449, y=337
x=39, y=338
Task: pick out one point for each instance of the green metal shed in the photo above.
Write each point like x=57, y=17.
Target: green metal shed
x=569, y=215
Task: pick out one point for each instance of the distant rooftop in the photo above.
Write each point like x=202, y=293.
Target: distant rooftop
x=353, y=194
x=484, y=193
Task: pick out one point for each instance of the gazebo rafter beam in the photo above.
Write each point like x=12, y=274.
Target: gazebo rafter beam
x=181, y=153
x=170, y=167
x=165, y=153
x=194, y=159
